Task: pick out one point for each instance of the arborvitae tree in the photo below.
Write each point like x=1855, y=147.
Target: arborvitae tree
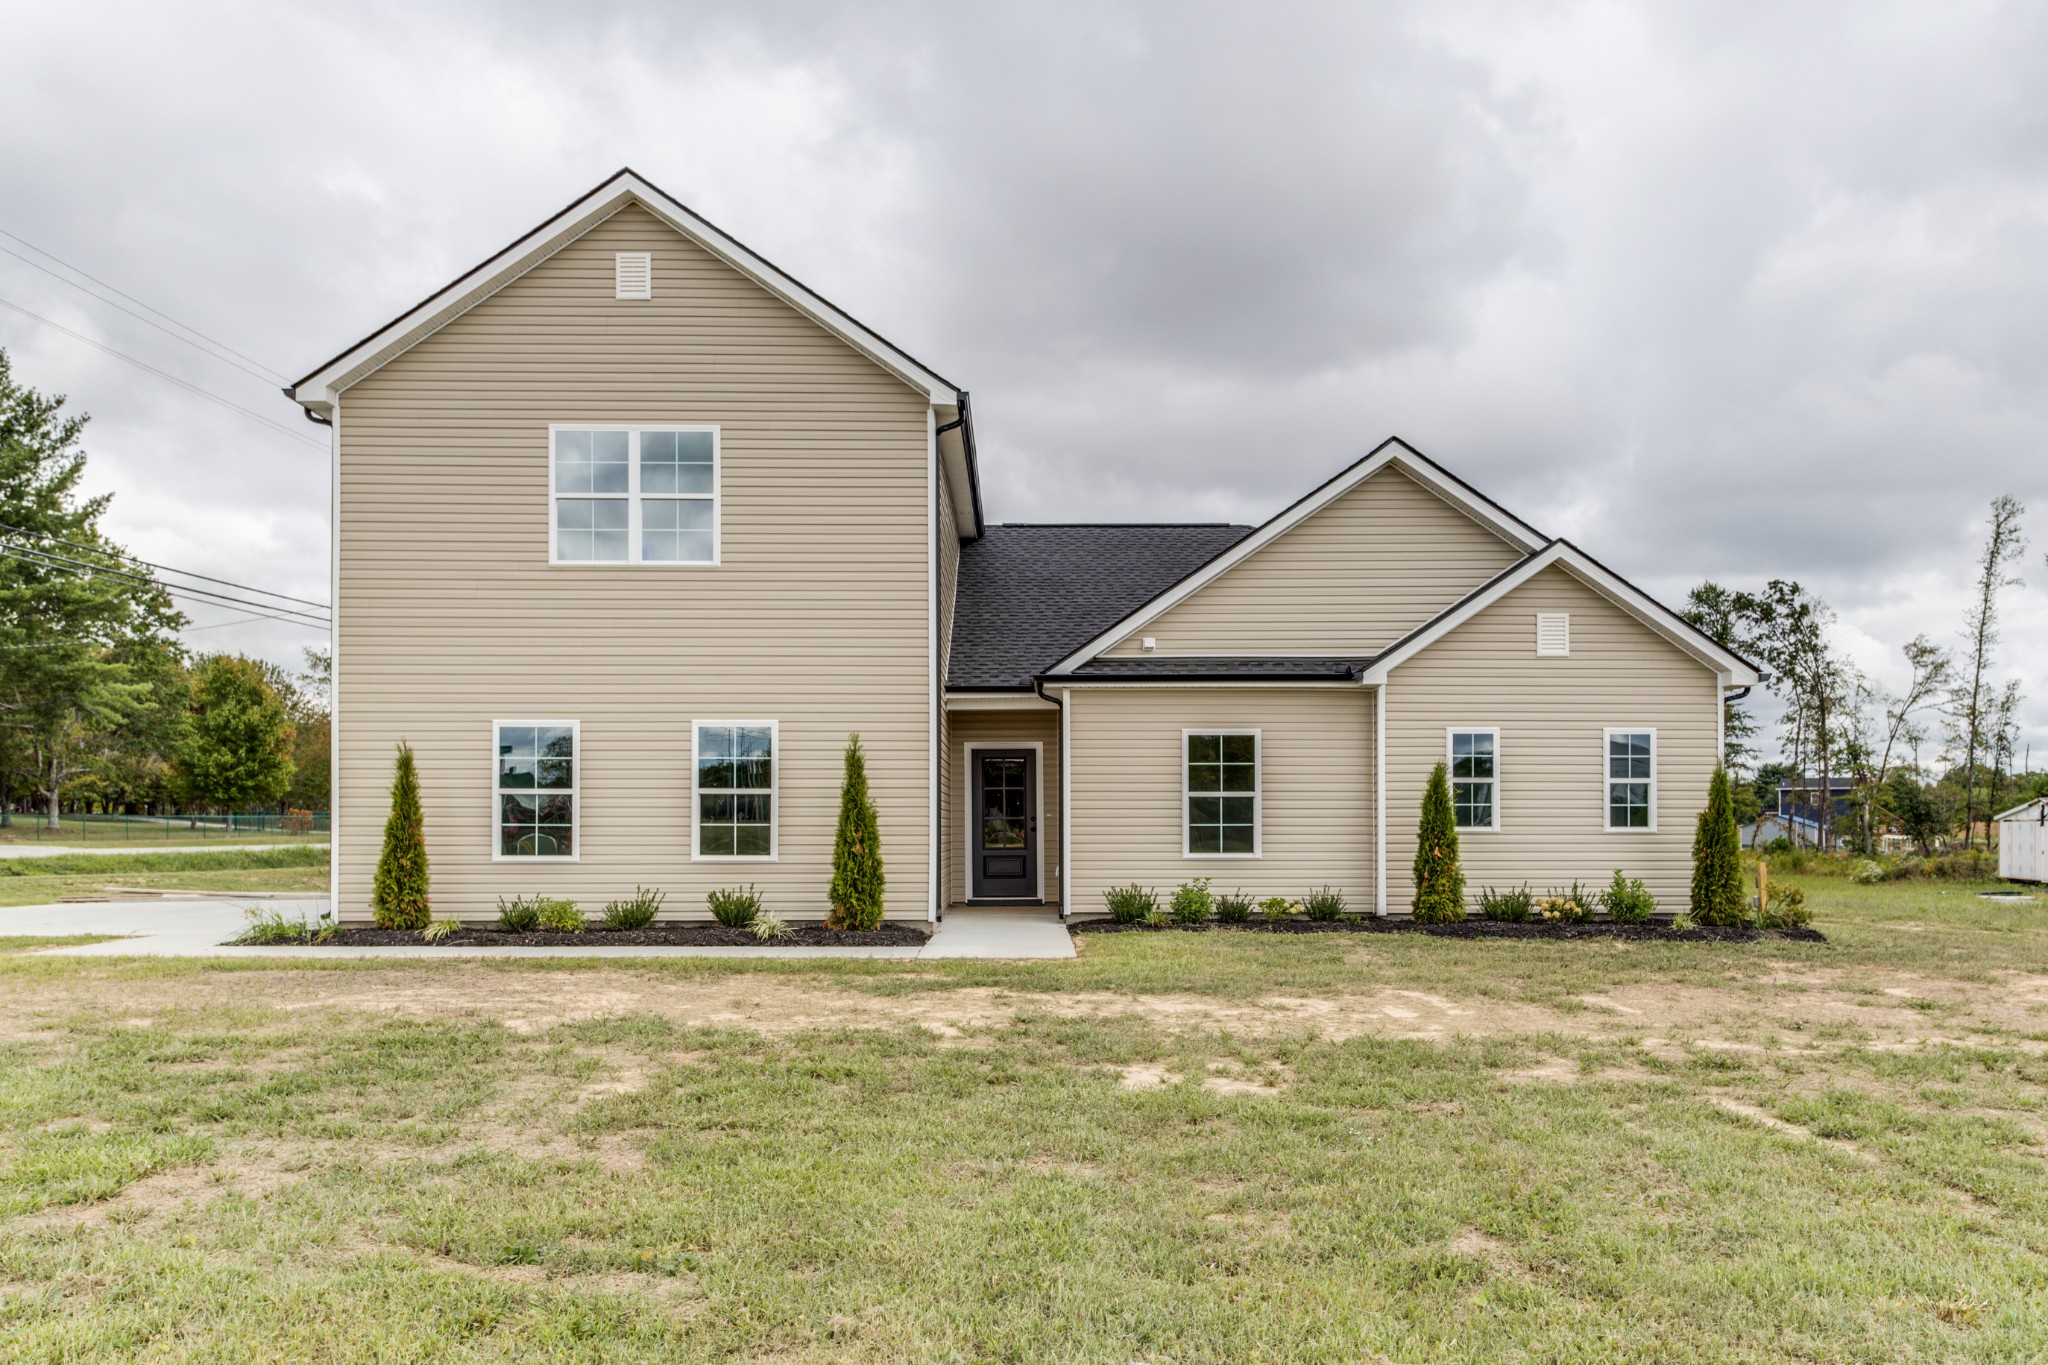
x=1439, y=881
x=399, y=894
x=1717, y=859
x=857, y=877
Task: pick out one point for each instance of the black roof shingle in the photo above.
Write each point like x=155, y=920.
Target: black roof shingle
x=1029, y=595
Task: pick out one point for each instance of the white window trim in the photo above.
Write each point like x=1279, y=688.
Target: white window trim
x=972, y=824
x=1606, y=808
x=1258, y=793
x=498, y=855
x=1450, y=767
x=633, y=497
x=774, y=853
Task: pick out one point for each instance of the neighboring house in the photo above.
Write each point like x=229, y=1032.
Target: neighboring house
x=2023, y=842
x=632, y=530
x=1800, y=797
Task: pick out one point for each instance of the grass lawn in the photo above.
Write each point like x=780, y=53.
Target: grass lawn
x=1177, y=1148
x=142, y=838
x=40, y=881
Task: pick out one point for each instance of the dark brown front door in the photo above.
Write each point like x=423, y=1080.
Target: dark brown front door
x=1005, y=837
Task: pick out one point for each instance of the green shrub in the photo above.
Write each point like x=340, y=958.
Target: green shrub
x=1564, y=907
x=1133, y=904
x=268, y=928
x=1192, y=903
x=1325, y=903
x=857, y=877
x=1627, y=901
x=1866, y=872
x=1781, y=844
x=1786, y=910
x=439, y=929
x=398, y=893
x=770, y=927
x=1974, y=866
x=734, y=906
x=1508, y=907
x=1439, y=880
x=1234, y=908
x=1277, y=908
x=1717, y=859
x=520, y=915
x=636, y=911
x=560, y=916
x=1158, y=918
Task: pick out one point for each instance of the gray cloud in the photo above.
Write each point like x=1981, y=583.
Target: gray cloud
x=1732, y=290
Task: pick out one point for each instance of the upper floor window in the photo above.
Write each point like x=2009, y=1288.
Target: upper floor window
x=1220, y=800
x=1632, y=779
x=1474, y=760
x=633, y=495
x=536, y=789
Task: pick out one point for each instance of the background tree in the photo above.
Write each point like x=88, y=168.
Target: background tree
x=237, y=747
x=1924, y=814
x=398, y=893
x=70, y=616
x=1973, y=702
x=1787, y=628
x=305, y=697
x=1439, y=880
x=857, y=876
x=1717, y=859
x=1720, y=614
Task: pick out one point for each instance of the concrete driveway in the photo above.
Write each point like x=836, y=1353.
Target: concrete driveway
x=200, y=928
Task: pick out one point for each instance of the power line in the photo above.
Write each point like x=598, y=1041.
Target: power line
x=48, y=560
x=160, y=568
x=268, y=372
x=245, y=369
x=229, y=404
x=6, y=553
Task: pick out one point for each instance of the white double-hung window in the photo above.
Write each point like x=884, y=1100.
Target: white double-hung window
x=1475, y=778
x=534, y=780
x=1631, y=779
x=734, y=789
x=633, y=495
x=1220, y=794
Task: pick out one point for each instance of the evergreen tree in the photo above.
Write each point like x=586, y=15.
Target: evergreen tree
x=237, y=750
x=1439, y=881
x=857, y=877
x=1717, y=859
x=73, y=614
x=398, y=896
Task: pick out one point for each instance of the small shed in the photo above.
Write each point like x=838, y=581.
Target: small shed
x=2023, y=842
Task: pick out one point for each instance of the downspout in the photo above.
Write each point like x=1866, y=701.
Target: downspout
x=1379, y=802
x=1066, y=790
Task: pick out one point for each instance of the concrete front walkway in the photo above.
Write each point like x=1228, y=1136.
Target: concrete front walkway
x=200, y=928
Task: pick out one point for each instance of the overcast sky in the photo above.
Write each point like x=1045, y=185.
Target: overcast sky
x=1717, y=290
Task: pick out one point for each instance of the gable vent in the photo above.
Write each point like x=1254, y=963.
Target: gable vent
x=1553, y=634
x=633, y=274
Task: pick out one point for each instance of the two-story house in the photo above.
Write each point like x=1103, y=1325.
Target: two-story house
x=632, y=530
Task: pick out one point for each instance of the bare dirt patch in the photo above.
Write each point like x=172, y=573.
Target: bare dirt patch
x=1229, y=1078
x=1755, y=1114
x=530, y=1002
x=1146, y=1077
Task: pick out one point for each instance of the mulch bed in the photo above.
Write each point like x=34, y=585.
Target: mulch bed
x=689, y=935
x=1470, y=928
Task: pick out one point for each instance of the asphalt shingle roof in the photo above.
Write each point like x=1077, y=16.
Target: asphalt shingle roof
x=1030, y=595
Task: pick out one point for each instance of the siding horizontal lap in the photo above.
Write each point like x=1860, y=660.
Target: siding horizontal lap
x=450, y=615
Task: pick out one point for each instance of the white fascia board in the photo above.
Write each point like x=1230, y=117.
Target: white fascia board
x=1393, y=451
x=1731, y=668
x=2016, y=810
x=997, y=701
x=953, y=451
x=318, y=390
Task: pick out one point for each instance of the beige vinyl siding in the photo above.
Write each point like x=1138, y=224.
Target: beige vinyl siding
x=1316, y=785
x=451, y=617
x=1551, y=713
x=1359, y=574
x=997, y=729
